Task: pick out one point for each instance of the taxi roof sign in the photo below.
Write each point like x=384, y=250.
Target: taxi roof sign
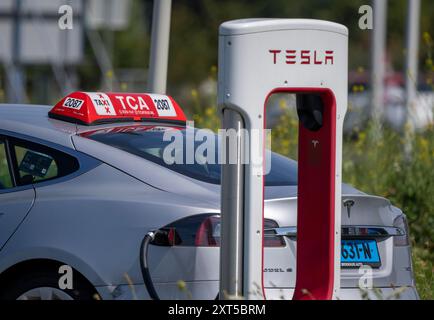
x=90, y=108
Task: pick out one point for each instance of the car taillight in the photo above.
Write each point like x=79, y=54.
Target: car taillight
x=203, y=230
x=270, y=238
x=401, y=223
x=208, y=233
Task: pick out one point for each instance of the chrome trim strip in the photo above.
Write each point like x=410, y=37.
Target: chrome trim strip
x=290, y=232
x=371, y=231
x=347, y=232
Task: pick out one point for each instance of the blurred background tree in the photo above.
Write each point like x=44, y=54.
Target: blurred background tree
x=194, y=35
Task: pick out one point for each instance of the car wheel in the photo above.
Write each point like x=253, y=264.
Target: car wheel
x=43, y=285
x=45, y=293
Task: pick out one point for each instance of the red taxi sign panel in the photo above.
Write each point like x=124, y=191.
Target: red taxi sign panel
x=97, y=107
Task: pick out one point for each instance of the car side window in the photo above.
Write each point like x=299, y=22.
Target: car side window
x=5, y=175
x=36, y=163
x=36, y=166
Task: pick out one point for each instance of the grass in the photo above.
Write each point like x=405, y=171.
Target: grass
x=424, y=271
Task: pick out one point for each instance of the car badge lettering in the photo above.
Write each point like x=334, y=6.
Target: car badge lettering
x=310, y=57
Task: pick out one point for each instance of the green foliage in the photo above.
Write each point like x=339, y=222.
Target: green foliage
x=202, y=108
x=379, y=166
x=284, y=135
x=5, y=178
x=194, y=37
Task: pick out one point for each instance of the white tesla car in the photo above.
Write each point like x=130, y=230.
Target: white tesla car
x=79, y=190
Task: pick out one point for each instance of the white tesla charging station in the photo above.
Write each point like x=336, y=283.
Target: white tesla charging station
x=257, y=58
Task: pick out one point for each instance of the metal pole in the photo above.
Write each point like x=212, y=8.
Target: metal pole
x=232, y=210
x=16, y=90
x=157, y=78
x=108, y=38
x=378, y=59
x=411, y=70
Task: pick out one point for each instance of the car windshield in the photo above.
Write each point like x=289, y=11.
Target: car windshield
x=151, y=143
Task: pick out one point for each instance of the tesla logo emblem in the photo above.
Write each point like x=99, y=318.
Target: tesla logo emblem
x=348, y=204
x=317, y=57
x=314, y=155
x=315, y=143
